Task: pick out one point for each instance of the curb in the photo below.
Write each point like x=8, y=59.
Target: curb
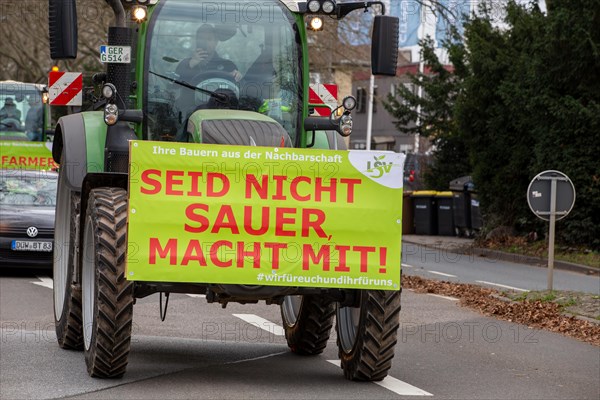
x=512, y=257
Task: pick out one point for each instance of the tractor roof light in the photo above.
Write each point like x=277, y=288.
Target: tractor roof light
x=315, y=24
x=139, y=14
x=314, y=6
x=328, y=6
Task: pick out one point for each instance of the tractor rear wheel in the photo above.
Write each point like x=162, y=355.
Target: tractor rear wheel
x=307, y=321
x=67, y=294
x=367, y=335
x=107, y=294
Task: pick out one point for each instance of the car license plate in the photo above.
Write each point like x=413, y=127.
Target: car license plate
x=25, y=245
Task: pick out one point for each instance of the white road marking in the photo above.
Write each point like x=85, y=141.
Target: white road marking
x=503, y=286
x=395, y=385
x=442, y=274
x=45, y=282
x=443, y=297
x=262, y=323
x=407, y=266
x=257, y=358
x=200, y=296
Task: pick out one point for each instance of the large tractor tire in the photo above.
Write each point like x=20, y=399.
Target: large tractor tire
x=367, y=335
x=107, y=294
x=67, y=294
x=307, y=321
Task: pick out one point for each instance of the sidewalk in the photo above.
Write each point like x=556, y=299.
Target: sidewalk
x=466, y=246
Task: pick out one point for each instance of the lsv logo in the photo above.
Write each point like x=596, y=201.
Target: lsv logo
x=379, y=167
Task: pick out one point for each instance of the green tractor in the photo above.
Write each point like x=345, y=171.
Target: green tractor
x=204, y=72
x=24, y=112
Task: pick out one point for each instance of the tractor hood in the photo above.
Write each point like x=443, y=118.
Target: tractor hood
x=237, y=127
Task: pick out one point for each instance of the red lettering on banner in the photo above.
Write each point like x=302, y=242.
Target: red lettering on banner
x=294, y=188
x=264, y=221
x=192, y=216
x=170, y=181
x=281, y=220
x=308, y=255
x=279, y=179
x=210, y=186
x=225, y=220
x=194, y=253
x=350, y=190
x=195, y=181
x=275, y=247
x=242, y=253
x=320, y=188
x=149, y=181
x=214, y=251
x=260, y=188
x=364, y=256
x=170, y=250
x=342, y=266
x=316, y=224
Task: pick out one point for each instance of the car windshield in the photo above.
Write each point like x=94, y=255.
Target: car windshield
x=21, y=108
x=249, y=51
x=38, y=189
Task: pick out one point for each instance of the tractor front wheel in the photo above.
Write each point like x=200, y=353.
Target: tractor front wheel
x=307, y=321
x=66, y=293
x=107, y=294
x=367, y=335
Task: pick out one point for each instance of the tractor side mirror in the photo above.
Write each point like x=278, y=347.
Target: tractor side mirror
x=62, y=22
x=384, y=45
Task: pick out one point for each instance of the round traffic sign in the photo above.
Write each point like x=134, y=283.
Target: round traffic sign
x=539, y=194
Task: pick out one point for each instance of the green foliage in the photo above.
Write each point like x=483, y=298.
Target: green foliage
x=434, y=112
x=522, y=98
x=531, y=103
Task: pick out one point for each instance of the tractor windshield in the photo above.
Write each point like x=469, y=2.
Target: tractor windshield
x=21, y=110
x=226, y=54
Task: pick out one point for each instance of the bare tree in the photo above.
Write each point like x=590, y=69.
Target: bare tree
x=24, y=48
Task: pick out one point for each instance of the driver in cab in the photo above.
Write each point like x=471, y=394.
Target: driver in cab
x=205, y=57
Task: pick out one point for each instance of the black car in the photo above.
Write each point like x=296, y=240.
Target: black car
x=27, y=202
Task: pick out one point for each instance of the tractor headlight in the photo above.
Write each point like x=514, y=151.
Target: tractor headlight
x=111, y=114
x=108, y=91
x=315, y=24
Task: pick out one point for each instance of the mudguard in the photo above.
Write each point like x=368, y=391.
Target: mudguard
x=70, y=135
x=82, y=136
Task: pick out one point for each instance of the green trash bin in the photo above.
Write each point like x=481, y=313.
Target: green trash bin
x=424, y=212
x=445, y=213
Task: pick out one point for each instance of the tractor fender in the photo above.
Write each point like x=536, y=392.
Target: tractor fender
x=70, y=135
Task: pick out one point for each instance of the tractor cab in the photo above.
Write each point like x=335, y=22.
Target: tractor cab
x=22, y=111
x=234, y=58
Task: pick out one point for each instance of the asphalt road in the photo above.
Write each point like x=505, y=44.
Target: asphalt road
x=439, y=263
x=203, y=351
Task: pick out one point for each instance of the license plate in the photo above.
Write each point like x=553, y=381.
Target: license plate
x=25, y=245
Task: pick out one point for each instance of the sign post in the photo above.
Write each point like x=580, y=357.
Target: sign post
x=551, y=196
